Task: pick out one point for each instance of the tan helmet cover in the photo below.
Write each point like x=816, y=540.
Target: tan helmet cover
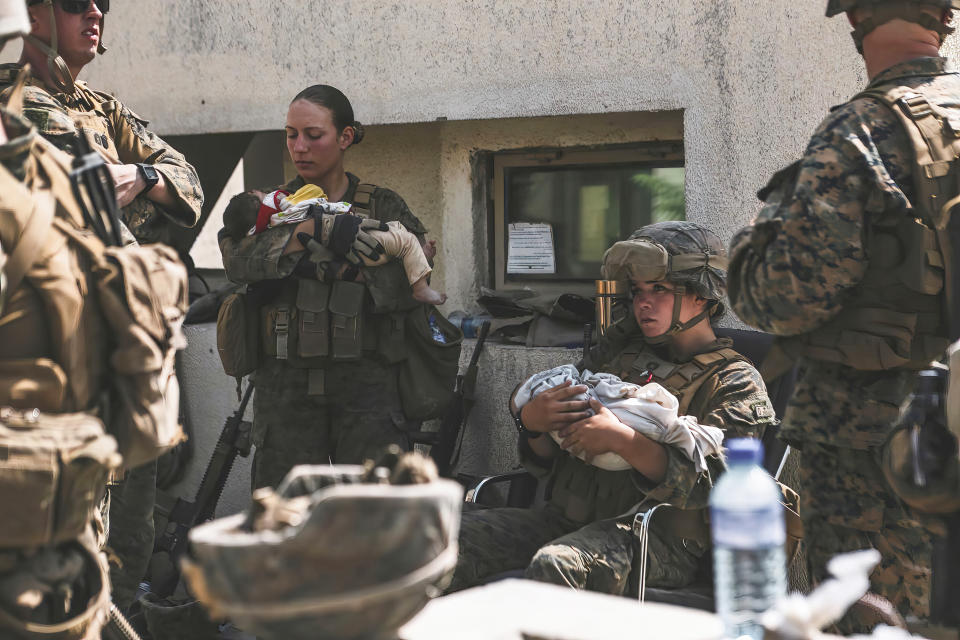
x=642, y=260
x=14, y=20
x=337, y=558
x=940, y=496
x=835, y=7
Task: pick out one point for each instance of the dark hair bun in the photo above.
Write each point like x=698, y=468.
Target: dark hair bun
x=358, y=132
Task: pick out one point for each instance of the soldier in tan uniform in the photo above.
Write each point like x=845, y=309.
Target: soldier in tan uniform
x=156, y=188
x=845, y=262
x=64, y=364
x=582, y=537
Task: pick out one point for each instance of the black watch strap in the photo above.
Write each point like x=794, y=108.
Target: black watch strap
x=149, y=174
x=522, y=429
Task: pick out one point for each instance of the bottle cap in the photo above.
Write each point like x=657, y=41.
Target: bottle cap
x=744, y=451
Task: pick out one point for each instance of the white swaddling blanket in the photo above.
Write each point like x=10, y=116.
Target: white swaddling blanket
x=650, y=409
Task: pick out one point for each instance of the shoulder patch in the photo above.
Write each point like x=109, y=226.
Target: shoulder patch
x=762, y=411
x=49, y=122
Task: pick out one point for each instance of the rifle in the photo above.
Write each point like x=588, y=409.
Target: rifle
x=234, y=440
x=93, y=189
x=450, y=436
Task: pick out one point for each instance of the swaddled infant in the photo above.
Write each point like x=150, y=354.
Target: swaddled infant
x=649, y=409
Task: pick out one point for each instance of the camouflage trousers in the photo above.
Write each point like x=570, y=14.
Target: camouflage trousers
x=357, y=417
x=600, y=556
x=130, y=531
x=846, y=505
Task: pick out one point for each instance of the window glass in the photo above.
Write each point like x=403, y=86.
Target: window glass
x=589, y=207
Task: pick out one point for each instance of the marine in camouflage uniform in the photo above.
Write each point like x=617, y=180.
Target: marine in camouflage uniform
x=53, y=347
x=61, y=114
x=339, y=411
x=582, y=536
x=827, y=264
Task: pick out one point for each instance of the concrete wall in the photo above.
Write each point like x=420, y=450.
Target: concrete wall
x=751, y=78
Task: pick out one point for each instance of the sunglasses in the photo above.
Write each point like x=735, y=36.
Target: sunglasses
x=81, y=6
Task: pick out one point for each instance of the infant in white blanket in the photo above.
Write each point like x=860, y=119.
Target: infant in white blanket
x=649, y=409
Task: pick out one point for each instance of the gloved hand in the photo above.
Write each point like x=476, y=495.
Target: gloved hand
x=349, y=238
x=320, y=262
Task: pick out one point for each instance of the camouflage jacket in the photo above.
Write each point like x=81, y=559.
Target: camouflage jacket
x=735, y=400
x=803, y=259
x=260, y=257
x=121, y=137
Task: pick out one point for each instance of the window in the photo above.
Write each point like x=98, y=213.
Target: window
x=557, y=211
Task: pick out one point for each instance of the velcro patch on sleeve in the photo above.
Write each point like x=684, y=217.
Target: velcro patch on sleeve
x=762, y=411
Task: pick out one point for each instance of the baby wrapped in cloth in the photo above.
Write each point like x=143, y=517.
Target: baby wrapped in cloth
x=649, y=409
x=256, y=211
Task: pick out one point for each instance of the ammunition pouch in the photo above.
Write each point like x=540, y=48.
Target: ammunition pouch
x=53, y=473
x=429, y=372
x=314, y=323
x=238, y=334
x=346, y=320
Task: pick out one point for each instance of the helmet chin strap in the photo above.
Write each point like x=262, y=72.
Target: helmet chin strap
x=675, y=325
x=60, y=75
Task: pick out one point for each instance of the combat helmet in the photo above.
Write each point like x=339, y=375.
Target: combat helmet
x=687, y=255
x=883, y=11
x=329, y=554
x=59, y=73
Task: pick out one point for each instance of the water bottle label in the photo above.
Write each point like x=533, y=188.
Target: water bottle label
x=748, y=528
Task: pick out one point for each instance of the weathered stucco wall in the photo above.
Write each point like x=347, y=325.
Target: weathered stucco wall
x=751, y=78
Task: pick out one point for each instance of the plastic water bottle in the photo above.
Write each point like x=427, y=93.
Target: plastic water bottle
x=436, y=331
x=470, y=325
x=746, y=518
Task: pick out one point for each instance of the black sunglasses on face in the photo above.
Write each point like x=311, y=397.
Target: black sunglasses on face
x=81, y=6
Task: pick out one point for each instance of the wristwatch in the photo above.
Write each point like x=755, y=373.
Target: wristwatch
x=522, y=429
x=149, y=174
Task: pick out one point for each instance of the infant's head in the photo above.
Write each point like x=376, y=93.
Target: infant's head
x=241, y=213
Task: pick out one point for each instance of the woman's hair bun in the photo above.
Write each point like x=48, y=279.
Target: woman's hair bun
x=358, y=132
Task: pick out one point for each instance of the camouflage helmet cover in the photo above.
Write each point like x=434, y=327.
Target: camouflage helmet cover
x=341, y=559
x=678, y=251
x=835, y=7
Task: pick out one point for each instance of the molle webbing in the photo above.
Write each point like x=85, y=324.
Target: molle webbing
x=935, y=138
x=682, y=380
x=364, y=204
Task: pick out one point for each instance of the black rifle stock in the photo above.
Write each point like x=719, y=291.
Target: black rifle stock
x=454, y=421
x=234, y=440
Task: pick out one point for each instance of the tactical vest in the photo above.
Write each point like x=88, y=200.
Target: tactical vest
x=896, y=316
x=585, y=493
x=310, y=324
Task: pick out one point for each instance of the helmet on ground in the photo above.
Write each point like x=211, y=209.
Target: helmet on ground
x=59, y=73
x=940, y=495
x=14, y=21
x=330, y=554
x=883, y=11
x=73, y=581
x=688, y=255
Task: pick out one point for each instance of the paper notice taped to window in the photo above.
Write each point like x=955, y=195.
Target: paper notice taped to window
x=530, y=249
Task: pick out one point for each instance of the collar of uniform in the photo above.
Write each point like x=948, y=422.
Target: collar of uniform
x=353, y=182
x=351, y=193
x=912, y=68
x=21, y=137
x=81, y=97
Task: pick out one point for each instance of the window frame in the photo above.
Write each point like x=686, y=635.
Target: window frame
x=660, y=154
